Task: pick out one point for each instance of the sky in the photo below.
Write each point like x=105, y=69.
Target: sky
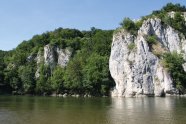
x=22, y=19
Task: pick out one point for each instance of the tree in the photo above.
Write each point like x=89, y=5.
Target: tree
x=102, y=42
x=178, y=22
x=27, y=74
x=11, y=78
x=19, y=58
x=43, y=85
x=2, y=66
x=173, y=62
x=73, y=75
x=95, y=72
x=15, y=83
x=173, y=7
x=57, y=79
x=129, y=25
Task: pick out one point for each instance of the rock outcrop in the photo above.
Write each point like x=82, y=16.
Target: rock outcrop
x=50, y=56
x=63, y=56
x=136, y=69
x=53, y=56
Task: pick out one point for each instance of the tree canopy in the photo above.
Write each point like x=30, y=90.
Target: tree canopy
x=84, y=73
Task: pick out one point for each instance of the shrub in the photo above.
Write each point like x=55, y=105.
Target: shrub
x=131, y=46
x=139, y=24
x=129, y=25
x=173, y=62
x=151, y=39
x=178, y=22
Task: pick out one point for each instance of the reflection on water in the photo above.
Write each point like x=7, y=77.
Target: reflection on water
x=49, y=110
x=142, y=110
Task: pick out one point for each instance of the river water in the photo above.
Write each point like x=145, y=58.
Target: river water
x=52, y=110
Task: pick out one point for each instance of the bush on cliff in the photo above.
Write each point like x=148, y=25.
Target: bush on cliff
x=173, y=62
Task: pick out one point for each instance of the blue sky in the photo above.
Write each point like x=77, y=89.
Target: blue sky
x=21, y=19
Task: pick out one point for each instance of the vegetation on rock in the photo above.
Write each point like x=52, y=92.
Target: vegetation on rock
x=131, y=46
x=173, y=62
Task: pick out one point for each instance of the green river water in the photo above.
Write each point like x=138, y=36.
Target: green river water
x=53, y=110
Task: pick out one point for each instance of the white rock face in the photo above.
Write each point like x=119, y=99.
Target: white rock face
x=50, y=56
x=63, y=56
x=39, y=59
x=53, y=56
x=136, y=70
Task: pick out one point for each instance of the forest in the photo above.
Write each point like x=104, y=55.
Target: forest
x=87, y=71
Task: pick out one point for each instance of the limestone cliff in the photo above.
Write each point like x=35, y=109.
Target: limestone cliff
x=136, y=69
x=53, y=56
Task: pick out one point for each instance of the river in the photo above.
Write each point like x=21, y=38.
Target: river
x=52, y=110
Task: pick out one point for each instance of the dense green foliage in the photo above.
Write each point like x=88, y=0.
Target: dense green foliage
x=1, y=66
x=57, y=80
x=171, y=7
x=86, y=73
x=173, y=62
x=128, y=24
x=178, y=22
x=131, y=26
